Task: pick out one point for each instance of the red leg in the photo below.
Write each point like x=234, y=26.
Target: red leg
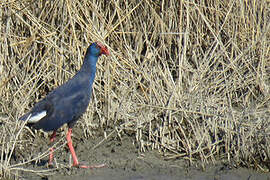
x=72, y=151
x=73, y=154
x=52, y=138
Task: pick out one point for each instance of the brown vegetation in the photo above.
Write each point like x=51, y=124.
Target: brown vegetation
x=188, y=78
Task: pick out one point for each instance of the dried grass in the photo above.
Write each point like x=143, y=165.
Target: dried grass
x=190, y=79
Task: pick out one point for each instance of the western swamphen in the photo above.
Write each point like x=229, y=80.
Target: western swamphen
x=68, y=102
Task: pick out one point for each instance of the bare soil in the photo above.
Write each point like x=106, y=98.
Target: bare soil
x=124, y=161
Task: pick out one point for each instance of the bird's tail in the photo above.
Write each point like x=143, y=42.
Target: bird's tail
x=25, y=117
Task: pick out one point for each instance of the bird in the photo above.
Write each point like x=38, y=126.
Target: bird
x=66, y=103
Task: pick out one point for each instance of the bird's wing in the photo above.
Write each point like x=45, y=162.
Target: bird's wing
x=40, y=110
x=64, y=110
x=63, y=105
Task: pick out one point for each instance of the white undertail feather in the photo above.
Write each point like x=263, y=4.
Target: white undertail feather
x=37, y=117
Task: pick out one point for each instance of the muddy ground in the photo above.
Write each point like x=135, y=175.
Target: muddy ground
x=124, y=162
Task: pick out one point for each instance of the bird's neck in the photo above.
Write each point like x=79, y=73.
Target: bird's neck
x=89, y=65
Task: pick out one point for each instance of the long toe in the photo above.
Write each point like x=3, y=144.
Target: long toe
x=85, y=166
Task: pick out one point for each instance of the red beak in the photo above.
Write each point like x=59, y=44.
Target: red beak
x=103, y=49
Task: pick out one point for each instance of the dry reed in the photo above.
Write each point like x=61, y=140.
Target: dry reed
x=189, y=78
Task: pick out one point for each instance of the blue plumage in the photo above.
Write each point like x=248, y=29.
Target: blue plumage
x=68, y=102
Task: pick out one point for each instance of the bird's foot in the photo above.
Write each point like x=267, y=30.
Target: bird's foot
x=82, y=165
x=50, y=165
